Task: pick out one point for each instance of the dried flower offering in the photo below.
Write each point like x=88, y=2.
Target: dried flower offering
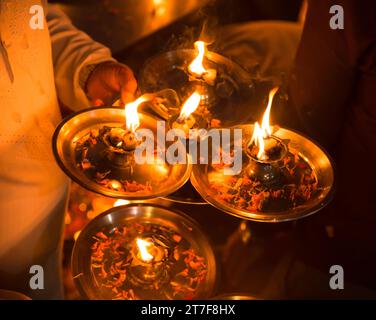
x=296, y=184
x=141, y=260
x=106, y=157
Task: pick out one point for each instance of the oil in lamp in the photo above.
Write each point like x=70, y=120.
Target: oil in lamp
x=96, y=148
x=143, y=251
x=284, y=176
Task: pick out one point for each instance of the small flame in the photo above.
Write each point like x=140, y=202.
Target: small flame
x=196, y=66
x=132, y=120
x=190, y=106
x=142, y=247
x=265, y=127
x=265, y=131
x=259, y=140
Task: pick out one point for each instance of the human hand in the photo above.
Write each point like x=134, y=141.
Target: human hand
x=109, y=80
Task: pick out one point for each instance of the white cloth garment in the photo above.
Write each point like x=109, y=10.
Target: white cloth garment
x=37, y=67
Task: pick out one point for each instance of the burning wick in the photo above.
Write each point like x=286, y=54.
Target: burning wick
x=122, y=139
x=189, y=106
x=132, y=120
x=262, y=135
x=197, y=69
x=265, y=149
x=149, y=252
x=147, y=265
x=186, y=121
x=142, y=247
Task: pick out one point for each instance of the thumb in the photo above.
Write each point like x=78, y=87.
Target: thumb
x=126, y=96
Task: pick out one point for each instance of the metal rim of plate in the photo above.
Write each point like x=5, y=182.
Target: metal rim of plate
x=152, y=213
x=235, y=296
x=80, y=123
x=176, y=197
x=319, y=160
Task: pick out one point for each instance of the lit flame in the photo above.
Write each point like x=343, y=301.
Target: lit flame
x=265, y=131
x=132, y=120
x=190, y=106
x=258, y=138
x=196, y=66
x=142, y=247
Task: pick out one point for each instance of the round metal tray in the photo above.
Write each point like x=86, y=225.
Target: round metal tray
x=316, y=157
x=141, y=213
x=72, y=128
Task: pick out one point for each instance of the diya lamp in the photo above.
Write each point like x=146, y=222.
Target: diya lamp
x=191, y=124
x=148, y=265
x=143, y=251
x=264, y=149
x=121, y=142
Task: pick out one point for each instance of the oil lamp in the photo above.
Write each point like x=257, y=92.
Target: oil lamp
x=190, y=123
x=143, y=251
x=121, y=142
x=284, y=176
x=148, y=264
x=97, y=149
x=265, y=150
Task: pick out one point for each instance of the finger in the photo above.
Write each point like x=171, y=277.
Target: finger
x=126, y=97
x=128, y=84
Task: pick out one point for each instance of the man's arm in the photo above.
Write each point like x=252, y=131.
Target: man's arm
x=85, y=72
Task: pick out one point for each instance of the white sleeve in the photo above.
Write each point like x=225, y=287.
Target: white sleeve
x=72, y=51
